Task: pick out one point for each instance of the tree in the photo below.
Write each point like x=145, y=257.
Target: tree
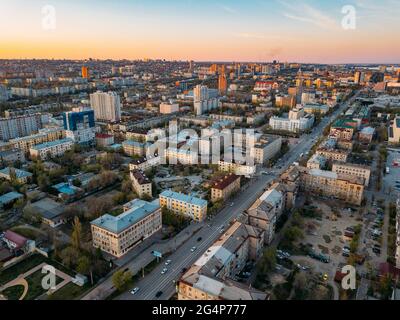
x=69, y=256
x=97, y=206
x=121, y=279
x=31, y=215
x=76, y=236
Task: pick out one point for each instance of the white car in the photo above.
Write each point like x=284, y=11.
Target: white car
x=167, y=262
x=134, y=291
x=164, y=271
x=193, y=249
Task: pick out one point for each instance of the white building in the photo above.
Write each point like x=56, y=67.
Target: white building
x=106, y=106
x=294, y=123
x=204, y=99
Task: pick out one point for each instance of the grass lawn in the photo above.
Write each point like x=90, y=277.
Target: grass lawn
x=35, y=285
x=69, y=292
x=13, y=293
x=20, y=268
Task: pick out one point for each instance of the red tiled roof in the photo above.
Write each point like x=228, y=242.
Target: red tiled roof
x=222, y=183
x=15, y=238
x=103, y=135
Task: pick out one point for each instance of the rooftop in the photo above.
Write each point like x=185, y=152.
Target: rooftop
x=225, y=181
x=9, y=197
x=184, y=198
x=138, y=210
x=140, y=177
x=18, y=173
x=52, y=144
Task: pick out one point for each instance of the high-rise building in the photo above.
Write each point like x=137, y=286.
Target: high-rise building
x=20, y=126
x=222, y=82
x=80, y=126
x=106, y=106
x=85, y=72
x=204, y=99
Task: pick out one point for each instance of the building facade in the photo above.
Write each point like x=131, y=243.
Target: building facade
x=225, y=187
x=118, y=235
x=186, y=205
x=141, y=184
x=51, y=149
x=106, y=106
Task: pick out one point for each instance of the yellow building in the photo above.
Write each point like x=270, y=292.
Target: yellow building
x=331, y=184
x=118, y=235
x=225, y=187
x=186, y=205
x=355, y=170
x=141, y=184
x=45, y=135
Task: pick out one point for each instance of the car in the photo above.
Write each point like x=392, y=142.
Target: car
x=346, y=254
x=193, y=249
x=167, y=262
x=199, y=239
x=134, y=291
x=184, y=270
x=232, y=204
x=159, y=294
x=164, y=271
x=376, y=250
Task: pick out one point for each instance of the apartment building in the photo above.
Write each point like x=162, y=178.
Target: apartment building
x=134, y=148
x=355, y=170
x=224, y=187
x=80, y=126
x=304, y=123
x=104, y=140
x=141, y=184
x=267, y=148
x=240, y=169
x=118, y=235
x=333, y=154
x=186, y=205
x=182, y=156
x=211, y=276
x=394, y=131
x=316, y=162
x=265, y=212
x=331, y=184
x=342, y=130
x=12, y=155
x=20, y=126
x=106, y=106
x=144, y=163
x=51, y=149
x=167, y=108
x=13, y=174
x=44, y=135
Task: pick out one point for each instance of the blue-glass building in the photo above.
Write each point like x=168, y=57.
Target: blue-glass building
x=74, y=121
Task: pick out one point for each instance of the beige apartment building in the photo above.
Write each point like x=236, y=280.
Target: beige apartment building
x=268, y=147
x=354, y=170
x=211, y=276
x=225, y=187
x=186, y=205
x=333, y=154
x=240, y=169
x=51, y=149
x=118, y=235
x=331, y=184
x=45, y=135
x=141, y=184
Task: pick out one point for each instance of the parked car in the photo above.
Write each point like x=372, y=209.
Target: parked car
x=167, y=262
x=164, y=271
x=159, y=294
x=193, y=249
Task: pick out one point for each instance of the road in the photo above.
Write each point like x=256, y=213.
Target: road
x=183, y=258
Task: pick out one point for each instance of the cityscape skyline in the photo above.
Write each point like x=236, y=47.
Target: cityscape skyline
x=306, y=31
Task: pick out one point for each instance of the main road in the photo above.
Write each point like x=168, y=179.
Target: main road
x=155, y=282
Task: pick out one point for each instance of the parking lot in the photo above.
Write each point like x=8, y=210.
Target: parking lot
x=392, y=180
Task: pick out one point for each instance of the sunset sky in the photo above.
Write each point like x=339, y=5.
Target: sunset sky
x=223, y=30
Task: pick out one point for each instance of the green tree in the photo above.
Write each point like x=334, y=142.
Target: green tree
x=121, y=279
x=76, y=236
